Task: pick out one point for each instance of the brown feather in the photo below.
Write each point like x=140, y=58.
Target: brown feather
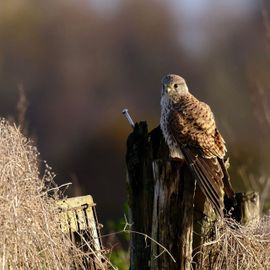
x=210, y=184
x=192, y=125
x=188, y=126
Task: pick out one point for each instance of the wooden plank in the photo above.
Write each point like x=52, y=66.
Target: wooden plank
x=77, y=213
x=78, y=219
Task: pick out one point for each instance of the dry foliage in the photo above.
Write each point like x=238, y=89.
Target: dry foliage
x=238, y=247
x=30, y=234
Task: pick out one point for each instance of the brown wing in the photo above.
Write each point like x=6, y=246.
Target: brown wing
x=193, y=126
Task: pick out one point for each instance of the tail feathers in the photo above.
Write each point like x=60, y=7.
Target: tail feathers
x=227, y=182
x=209, y=175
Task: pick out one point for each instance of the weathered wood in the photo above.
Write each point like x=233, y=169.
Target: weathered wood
x=173, y=214
x=161, y=199
x=78, y=219
x=204, y=223
x=140, y=194
x=247, y=209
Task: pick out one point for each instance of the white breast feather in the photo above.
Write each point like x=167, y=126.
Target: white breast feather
x=174, y=148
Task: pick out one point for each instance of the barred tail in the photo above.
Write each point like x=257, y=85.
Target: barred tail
x=209, y=175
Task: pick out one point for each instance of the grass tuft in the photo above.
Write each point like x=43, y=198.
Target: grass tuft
x=30, y=233
x=238, y=247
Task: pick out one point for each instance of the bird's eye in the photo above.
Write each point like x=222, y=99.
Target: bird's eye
x=175, y=86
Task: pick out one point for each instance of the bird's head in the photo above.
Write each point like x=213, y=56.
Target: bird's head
x=173, y=86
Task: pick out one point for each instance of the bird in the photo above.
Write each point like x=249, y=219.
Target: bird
x=189, y=129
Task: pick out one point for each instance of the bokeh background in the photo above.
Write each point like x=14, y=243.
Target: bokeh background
x=80, y=62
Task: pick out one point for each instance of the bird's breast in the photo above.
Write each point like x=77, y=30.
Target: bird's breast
x=166, y=107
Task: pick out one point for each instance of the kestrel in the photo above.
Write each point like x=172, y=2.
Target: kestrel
x=189, y=128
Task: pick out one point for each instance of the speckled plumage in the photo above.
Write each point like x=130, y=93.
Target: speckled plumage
x=189, y=129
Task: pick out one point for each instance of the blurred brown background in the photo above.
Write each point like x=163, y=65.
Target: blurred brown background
x=81, y=62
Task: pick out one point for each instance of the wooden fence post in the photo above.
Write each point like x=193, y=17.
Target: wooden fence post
x=172, y=215
x=161, y=202
x=165, y=205
x=140, y=197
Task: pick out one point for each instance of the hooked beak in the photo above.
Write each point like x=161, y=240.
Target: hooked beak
x=166, y=88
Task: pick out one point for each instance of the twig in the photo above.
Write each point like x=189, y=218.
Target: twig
x=93, y=252
x=125, y=230
x=58, y=187
x=212, y=242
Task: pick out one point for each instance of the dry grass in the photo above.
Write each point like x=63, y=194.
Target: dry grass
x=239, y=247
x=30, y=234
